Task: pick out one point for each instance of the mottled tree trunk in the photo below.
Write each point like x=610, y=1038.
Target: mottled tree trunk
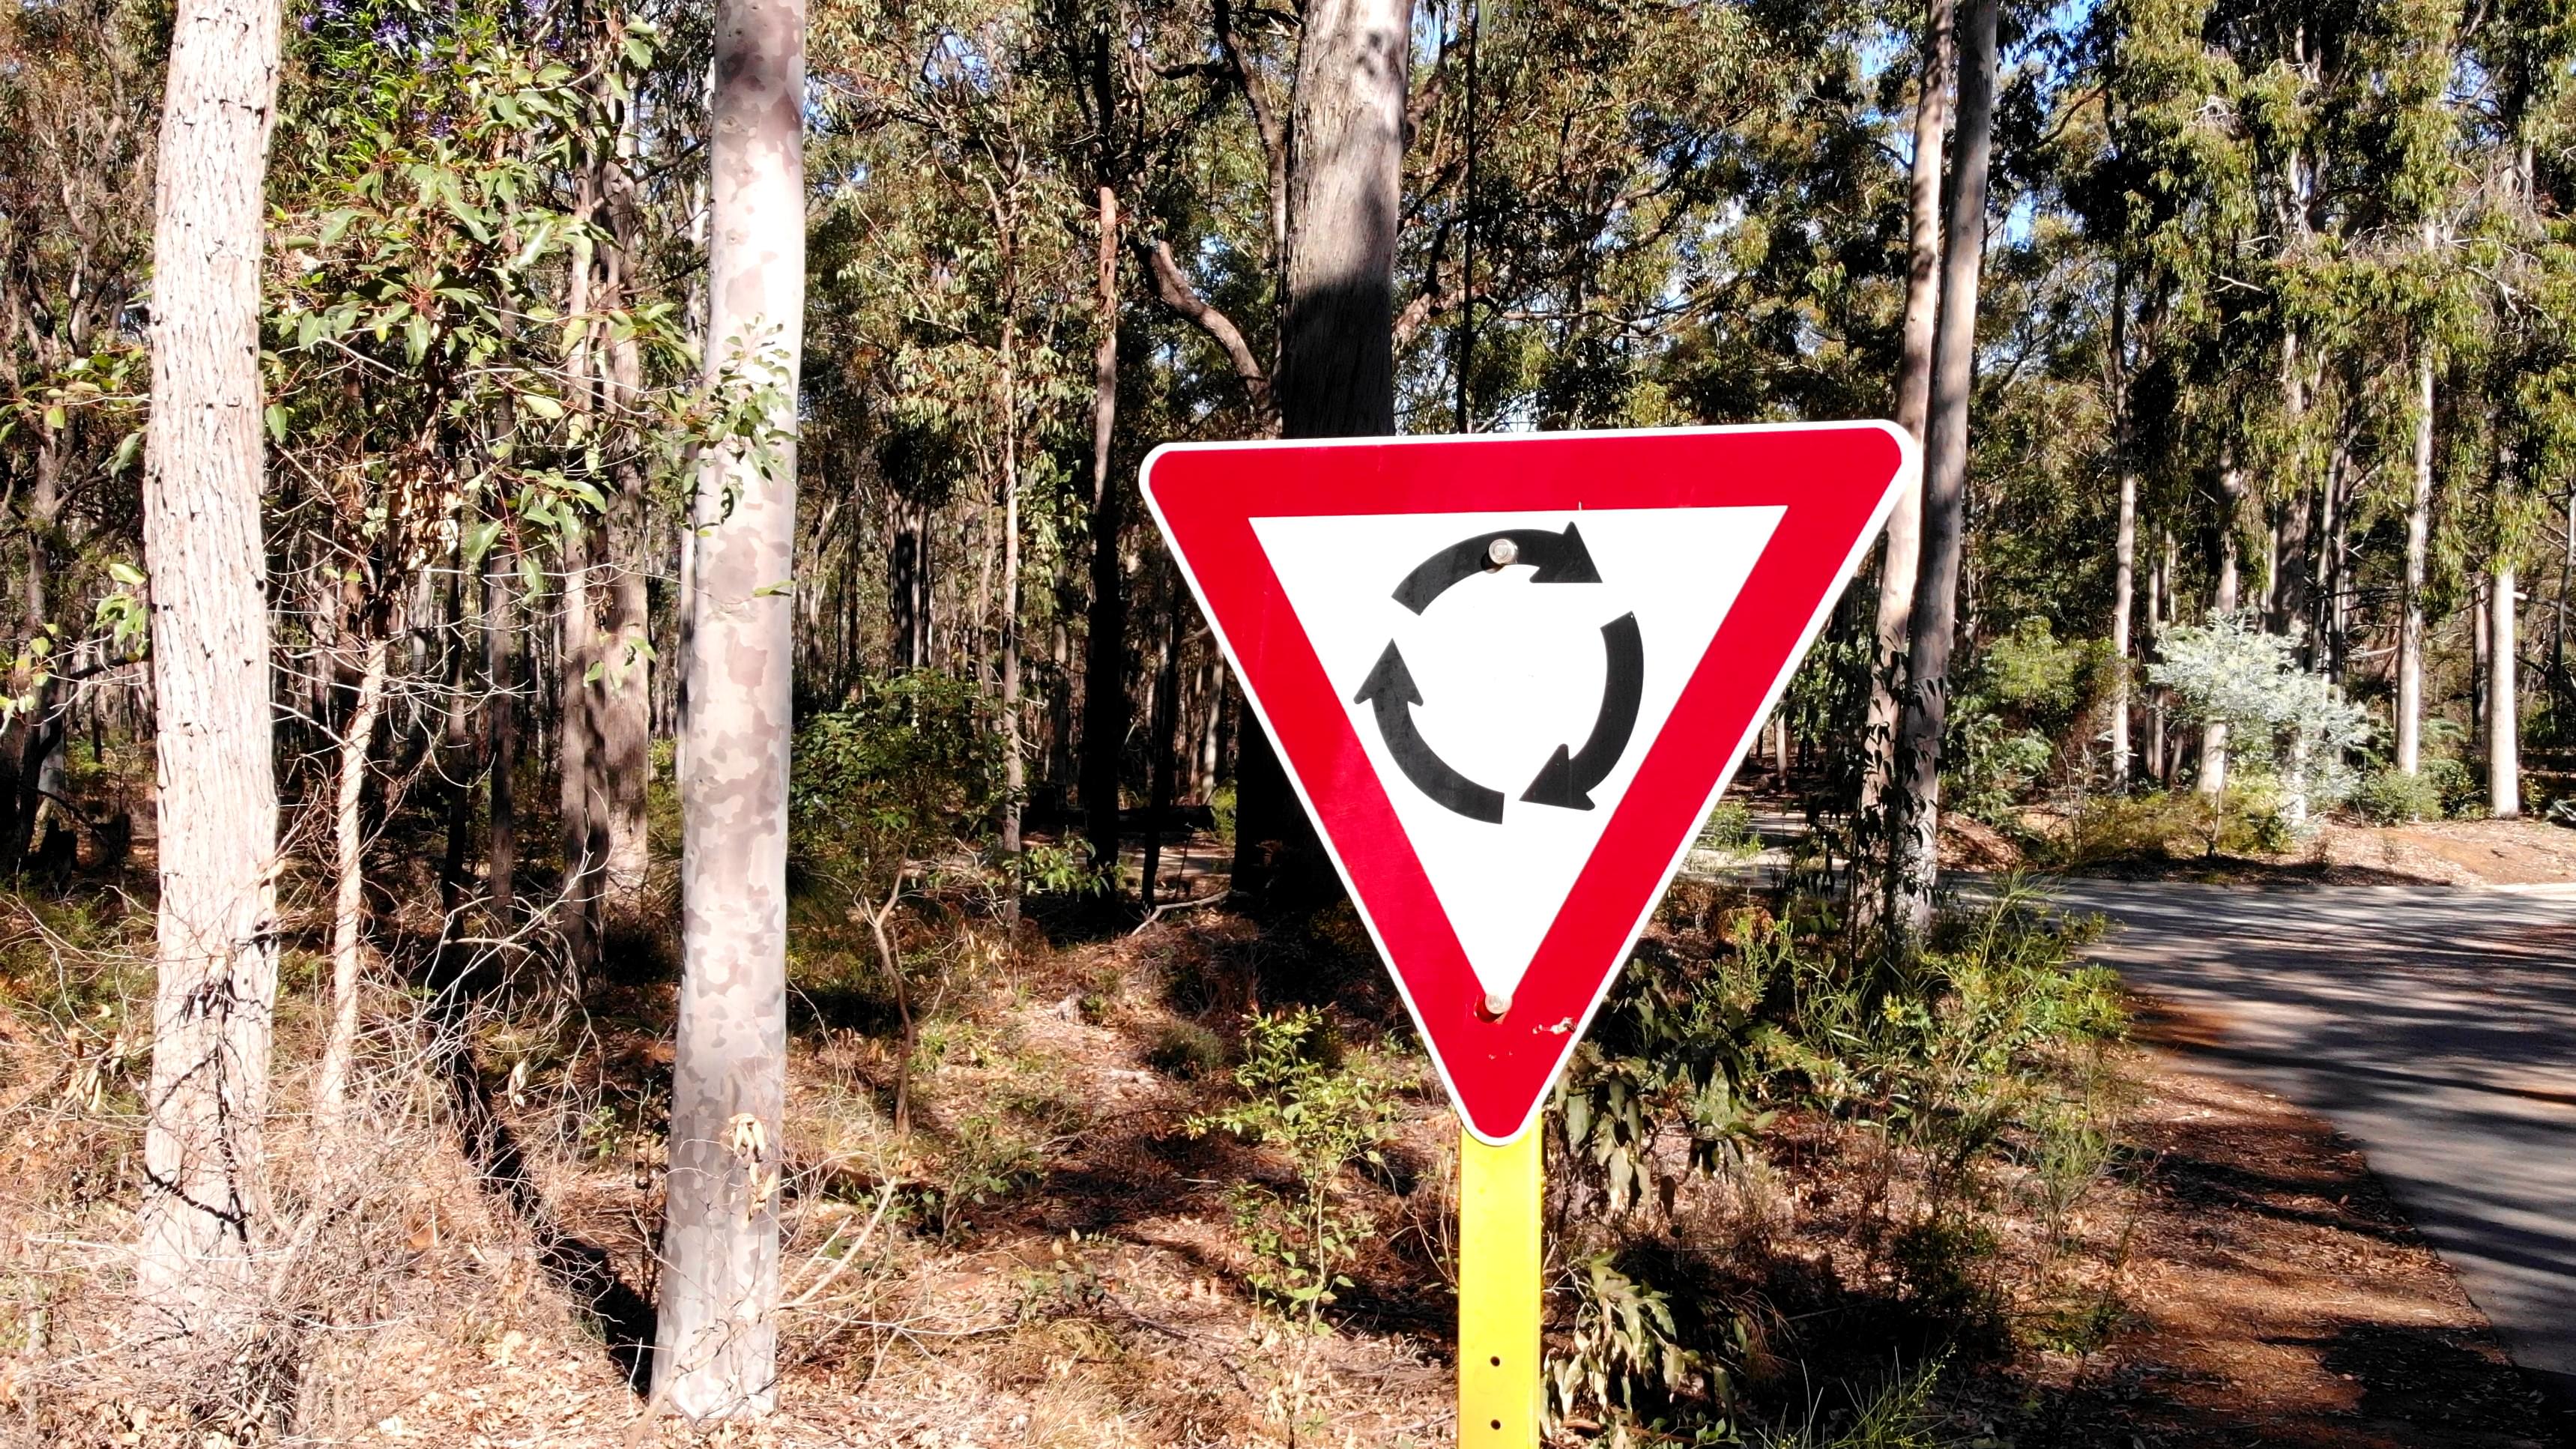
x=349, y=900
x=622, y=710
x=1945, y=485
x=501, y=726
x=1336, y=374
x=716, y=1354
x=2504, y=748
x=204, y=1209
x=1104, y=679
x=577, y=797
x=2419, y=529
x=1903, y=557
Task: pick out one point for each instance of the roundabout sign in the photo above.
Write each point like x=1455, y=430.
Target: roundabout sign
x=1508, y=676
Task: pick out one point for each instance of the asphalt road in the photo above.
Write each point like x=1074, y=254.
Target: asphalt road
x=2434, y=1026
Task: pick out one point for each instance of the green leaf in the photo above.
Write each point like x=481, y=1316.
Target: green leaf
x=541, y=405
x=126, y=574
x=127, y=449
x=276, y=416
x=478, y=540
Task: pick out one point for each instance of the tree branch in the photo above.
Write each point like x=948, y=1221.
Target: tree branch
x=1176, y=293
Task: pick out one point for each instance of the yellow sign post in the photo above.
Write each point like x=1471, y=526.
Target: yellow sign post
x=1500, y=1262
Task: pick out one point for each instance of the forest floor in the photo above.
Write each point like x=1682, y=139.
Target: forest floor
x=1064, y=1267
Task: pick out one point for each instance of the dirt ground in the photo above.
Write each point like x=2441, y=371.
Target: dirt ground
x=2277, y=1297
x=2461, y=852
x=2249, y=1281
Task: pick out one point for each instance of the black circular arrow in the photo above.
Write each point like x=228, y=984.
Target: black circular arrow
x=1390, y=690
x=1566, y=781
x=1568, y=778
x=1560, y=558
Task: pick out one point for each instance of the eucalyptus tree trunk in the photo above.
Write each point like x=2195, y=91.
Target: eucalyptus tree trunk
x=2224, y=598
x=31, y=734
x=204, y=1209
x=2504, y=757
x=577, y=796
x=2124, y=587
x=1913, y=403
x=716, y=1354
x=2419, y=526
x=2156, y=618
x=1104, y=685
x=1014, y=767
x=501, y=734
x=1336, y=374
x=1916, y=865
x=349, y=901
x=622, y=712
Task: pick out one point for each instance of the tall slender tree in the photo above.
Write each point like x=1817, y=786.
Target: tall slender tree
x=1336, y=375
x=716, y=1349
x=204, y=1208
x=1936, y=594
x=1904, y=553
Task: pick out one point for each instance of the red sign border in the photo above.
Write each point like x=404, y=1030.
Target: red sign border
x=1206, y=515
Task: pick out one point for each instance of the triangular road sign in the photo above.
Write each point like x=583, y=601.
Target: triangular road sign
x=1508, y=676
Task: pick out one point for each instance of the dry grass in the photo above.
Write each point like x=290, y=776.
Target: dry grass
x=1047, y=1260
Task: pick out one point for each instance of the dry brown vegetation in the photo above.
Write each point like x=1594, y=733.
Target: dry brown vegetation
x=1053, y=1257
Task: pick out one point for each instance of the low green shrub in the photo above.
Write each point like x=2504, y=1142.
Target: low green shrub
x=1301, y=1102
x=2390, y=796
x=1729, y=832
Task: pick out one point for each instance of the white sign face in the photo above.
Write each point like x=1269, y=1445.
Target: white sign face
x=1506, y=707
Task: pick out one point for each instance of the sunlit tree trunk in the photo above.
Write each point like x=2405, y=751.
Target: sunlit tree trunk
x=2504, y=757
x=349, y=902
x=1336, y=373
x=2224, y=599
x=1913, y=402
x=204, y=1210
x=1104, y=687
x=716, y=1353
x=1936, y=594
x=2419, y=527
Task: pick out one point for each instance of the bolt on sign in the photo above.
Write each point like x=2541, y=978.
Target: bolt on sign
x=1508, y=676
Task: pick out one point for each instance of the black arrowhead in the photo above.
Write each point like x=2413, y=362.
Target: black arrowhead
x=1390, y=693
x=1389, y=677
x=1555, y=784
x=1566, y=780
x=1571, y=562
x=1556, y=558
